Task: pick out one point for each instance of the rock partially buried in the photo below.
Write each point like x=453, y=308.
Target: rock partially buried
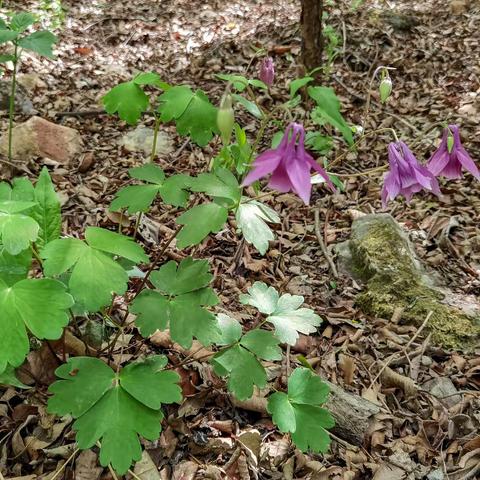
x=141, y=140
x=40, y=138
x=380, y=255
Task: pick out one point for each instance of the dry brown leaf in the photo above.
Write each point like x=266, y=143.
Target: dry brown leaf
x=86, y=466
x=389, y=378
x=347, y=365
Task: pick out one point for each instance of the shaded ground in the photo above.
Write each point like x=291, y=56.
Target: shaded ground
x=437, y=75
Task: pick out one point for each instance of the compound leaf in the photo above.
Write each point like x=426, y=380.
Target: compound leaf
x=178, y=303
x=17, y=230
x=263, y=344
x=95, y=276
x=220, y=184
x=114, y=409
x=299, y=411
x=283, y=312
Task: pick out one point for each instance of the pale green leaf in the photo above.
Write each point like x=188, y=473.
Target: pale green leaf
x=14, y=268
x=262, y=297
x=249, y=106
x=251, y=217
x=230, y=329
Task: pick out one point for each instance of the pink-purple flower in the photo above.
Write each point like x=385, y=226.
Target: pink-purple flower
x=289, y=164
x=451, y=157
x=267, y=71
x=406, y=175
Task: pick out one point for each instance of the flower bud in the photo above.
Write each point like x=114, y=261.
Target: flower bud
x=450, y=141
x=385, y=89
x=226, y=118
x=267, y=71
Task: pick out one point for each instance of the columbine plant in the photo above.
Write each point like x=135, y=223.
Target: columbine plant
x=17, y=32
x=47, y=281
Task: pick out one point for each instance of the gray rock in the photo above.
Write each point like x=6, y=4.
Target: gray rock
x=443, y=388
x=141, y=140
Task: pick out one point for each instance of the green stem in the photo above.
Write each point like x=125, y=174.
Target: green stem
x=11, y=109
x=137, y=224
x=155, y=139
x=37, y=255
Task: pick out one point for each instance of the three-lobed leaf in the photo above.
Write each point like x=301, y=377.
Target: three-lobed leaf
x=114, y=408
x=178, y=301
x=95, y=276
x=139, y=198
x=192, y=112
x=298, y=411
x=283, y=312
x=128, y=100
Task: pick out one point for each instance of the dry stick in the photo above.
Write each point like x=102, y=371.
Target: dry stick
x=60, y=470
x=404, y=350
x=318, y=233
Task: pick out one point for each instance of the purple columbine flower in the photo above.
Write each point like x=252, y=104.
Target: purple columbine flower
x=450, y=157
x=289, y=164
x=267, y=71
x=406, y=175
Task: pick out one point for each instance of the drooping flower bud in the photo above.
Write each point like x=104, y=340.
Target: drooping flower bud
x=267, y=71
x=385, y=88
x=226, y=118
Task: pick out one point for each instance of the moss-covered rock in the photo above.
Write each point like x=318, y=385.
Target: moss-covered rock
x=380, y=255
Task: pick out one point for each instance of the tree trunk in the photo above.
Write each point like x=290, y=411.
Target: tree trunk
x=312, y=38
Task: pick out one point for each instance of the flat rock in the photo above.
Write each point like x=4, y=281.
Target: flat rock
x=38, y=137
x=141, y=140
x=443, y=389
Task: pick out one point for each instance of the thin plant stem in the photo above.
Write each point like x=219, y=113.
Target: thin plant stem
x=62, y=468
x=155, y=139
x=11, y=108
x=137, y=224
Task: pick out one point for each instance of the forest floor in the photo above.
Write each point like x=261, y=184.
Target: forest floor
x=436, y=57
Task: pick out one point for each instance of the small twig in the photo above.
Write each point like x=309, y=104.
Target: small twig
x=60, y=470
x=318, y=233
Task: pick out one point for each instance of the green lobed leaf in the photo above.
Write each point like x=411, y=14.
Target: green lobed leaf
x=40, y=42
x=243, y=369
x=178, y=303
x=199, y=222
x=219, y=184
x=139, y=198
x=263, y=344
x=17, y=230
x=299, y=411
x=150, y=78
x=8, y=377
x=193, y=113
x=262, y=297
x=230, y=330
x=47, y=211
x=95, y=276
x=251, y=219
x=39, y=305
x=128, y=100
x=114, y=409
x=328, y=108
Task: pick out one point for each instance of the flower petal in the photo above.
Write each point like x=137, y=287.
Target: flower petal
x=263, y=165
x=468, y=163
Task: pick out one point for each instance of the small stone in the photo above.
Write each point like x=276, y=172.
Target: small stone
x=141, y=140
x=443, y=388
x=40, y=138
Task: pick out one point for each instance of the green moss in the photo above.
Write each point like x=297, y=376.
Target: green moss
x=383, y=258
